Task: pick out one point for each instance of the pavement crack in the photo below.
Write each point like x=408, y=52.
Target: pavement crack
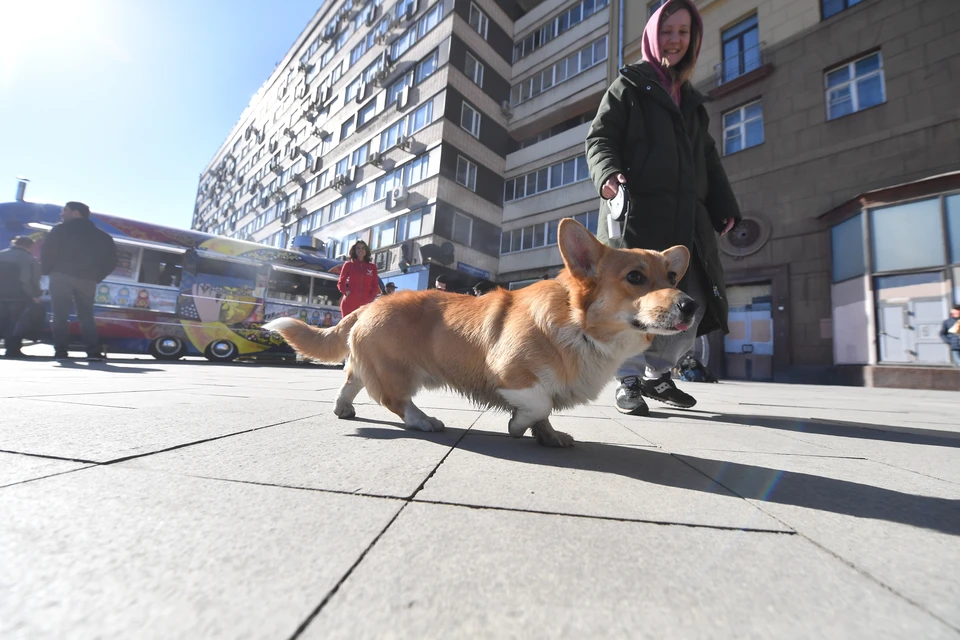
x=48, y=457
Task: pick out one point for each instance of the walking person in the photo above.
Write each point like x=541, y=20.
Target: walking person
x=358, y=281
x=19, y=287
x=650, y=135
x=950, y=333
x=76, y=255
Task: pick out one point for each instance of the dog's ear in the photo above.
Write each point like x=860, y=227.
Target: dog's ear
x=678, y=259
x=581, y=251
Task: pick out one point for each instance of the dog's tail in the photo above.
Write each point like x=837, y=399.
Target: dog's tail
x=323, y=344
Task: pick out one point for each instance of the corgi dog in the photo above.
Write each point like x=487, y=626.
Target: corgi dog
x=552, y=345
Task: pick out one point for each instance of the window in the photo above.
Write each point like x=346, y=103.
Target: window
x=555, y=176
x=741, y=48
x=417, y=170
x=855, y=86
x=474, y=69
x=589, y=220
x=557, y=26
x=359, y=155
x=352, y=89
x=847, y=249
x=742, y=128
x=356, y=199
x=478, y=21
x=341, y=167
x=420, y=118
x=346, y=128
x=832, y=7
x=462, y=228
x=390, y=136
x=470, y=120
x=426, y=67
x=907, y=236
x=424, y=25
x=367, y=113
x=653, y=6
x=357, y=52
x=337, y=73
x=466, y=173
x=395, y=89
x=577, y=62
x=953, y=229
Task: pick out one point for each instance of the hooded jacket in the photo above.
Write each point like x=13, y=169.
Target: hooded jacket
x=657, y=137
x=78, y=248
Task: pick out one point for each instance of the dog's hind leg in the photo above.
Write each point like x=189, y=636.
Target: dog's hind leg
x=351, y=387
x=532, y=407
x=413, y=417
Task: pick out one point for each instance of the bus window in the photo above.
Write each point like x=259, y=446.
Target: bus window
x=161, y=268
x=325, y=292
x=128, y=263
x=292, y=287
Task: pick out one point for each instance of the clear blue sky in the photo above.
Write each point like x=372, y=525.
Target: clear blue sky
x=122, y=103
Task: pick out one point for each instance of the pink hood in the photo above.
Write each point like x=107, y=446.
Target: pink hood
x=651, y=45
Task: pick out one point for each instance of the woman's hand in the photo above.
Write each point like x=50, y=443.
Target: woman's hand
x=612, y=185
x=727, y=225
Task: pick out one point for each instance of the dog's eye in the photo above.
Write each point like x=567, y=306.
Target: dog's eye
x=636, y=277
x=672, y=277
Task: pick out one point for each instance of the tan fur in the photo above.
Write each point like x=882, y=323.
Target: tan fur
x=551, y=345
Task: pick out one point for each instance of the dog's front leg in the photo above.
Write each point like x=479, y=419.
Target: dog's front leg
x=532, y=407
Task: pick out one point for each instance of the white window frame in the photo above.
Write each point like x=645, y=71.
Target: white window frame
x=469, y=223
x=477, y=74
x=742, y=126
x=474, y=129
x=469, y=171
x=852, y=83
x=482, y=22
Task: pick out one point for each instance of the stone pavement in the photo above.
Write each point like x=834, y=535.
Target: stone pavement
x=141, y=499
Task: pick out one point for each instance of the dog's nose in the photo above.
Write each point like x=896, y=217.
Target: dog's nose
x=688, y=306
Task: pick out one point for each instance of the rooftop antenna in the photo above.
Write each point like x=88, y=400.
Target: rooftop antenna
x=21, y=187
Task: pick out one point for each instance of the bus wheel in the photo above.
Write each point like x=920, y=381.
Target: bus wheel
x=221, y=351
x=167, y=348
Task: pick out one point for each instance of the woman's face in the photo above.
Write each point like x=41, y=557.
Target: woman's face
x=675, y=37
x=361, y=251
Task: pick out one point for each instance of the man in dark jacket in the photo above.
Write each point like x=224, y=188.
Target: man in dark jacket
x=952, y=338
x=19, y=284
x=651, y=135
x=77, y=255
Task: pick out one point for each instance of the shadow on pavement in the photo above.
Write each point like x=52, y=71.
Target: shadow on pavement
x=744, y=480
x=103, y=366
x=863, y=431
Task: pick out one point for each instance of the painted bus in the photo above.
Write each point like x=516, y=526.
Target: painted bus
x=177, y=293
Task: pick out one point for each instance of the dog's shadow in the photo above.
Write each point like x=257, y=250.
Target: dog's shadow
x=654, y=466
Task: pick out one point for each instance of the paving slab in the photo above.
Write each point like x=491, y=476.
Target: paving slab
x=452, y=572
x=370, y=456
x=590, y=479
x=900, y=527
x=582, y=428
x=104, y=433
x=121, y=553
x=16, y=468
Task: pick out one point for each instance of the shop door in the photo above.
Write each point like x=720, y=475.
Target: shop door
x=748, y=348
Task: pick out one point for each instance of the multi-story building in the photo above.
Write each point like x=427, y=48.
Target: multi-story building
x=449, y=136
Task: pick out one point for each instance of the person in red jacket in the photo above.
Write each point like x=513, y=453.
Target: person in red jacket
x=358, y=279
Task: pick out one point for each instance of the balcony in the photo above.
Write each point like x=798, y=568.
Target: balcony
x=741, y=69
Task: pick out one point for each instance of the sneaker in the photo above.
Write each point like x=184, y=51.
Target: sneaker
x=663, y=390
x=629, y=400
x=61, y=355
x=93, y=356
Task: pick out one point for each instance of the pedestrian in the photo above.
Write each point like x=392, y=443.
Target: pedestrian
x=76, y=255
x=650, y=135
x=389, y=288
x=19, y=289
x=950, y=333
x=358, y=281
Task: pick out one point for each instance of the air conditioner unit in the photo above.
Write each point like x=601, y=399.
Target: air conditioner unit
x=253, y=187
x=352, y=174
x=304, y=67
x=249, y=132
x=317, y=164
x=381, y=77
x=380, y=39
x=319, y=132
x=376, y=159
x=362, y=92
x=276, y=168
x=287, y=131
x=374, y=14
x=278, y=195
x=403, y=98
x=405, y=142
x=273, y=146
x=408, y=15
x=282, y=92
x=301, y=90
x=505, y=109
x=398, y=195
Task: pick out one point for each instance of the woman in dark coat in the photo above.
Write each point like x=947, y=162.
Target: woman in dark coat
x=650, y=133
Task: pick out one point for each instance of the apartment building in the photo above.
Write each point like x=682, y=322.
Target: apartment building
x=408, y=125
x=449, y=136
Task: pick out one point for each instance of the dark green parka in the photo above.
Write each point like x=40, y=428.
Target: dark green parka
x=679, y=191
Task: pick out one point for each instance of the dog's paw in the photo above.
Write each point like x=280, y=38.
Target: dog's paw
x=551, y=438
x=430, y=424
x=344, y=411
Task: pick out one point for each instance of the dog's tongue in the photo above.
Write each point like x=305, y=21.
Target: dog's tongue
x=681, y=326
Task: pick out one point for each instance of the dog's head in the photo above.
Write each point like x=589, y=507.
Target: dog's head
x=625, y=289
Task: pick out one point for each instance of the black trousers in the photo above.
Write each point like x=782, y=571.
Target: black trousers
x=10, y=311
